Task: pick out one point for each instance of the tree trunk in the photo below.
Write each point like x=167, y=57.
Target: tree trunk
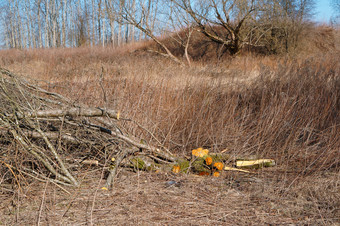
x=93, y=25
x=28, y=24
x=40, y=42
x=63, y=26
x=47, y=28
x=132, y=28
x=12, y=26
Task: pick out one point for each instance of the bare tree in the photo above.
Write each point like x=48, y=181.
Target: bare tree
x=47, y=24
x=40, y=39
x=132, y=28
x=142, y=22
x=30, y=36
x=120, y=21
x=10, y=25
x=64, y=9
x=110, y=12
x=336, y=8
x=336, y=5
x=213, y=15
x=288, y=19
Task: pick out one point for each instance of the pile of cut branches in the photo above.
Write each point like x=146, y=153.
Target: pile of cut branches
x=40, y=129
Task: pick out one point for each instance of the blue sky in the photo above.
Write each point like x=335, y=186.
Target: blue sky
x=323, y=11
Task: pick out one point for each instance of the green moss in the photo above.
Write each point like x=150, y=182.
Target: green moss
x=198, y=165
x=138, y=163
x=219, y=157
x=144, y=164
x=248, y=158
x=183, y=164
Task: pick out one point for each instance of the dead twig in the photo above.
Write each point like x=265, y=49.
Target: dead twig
x=113, y=169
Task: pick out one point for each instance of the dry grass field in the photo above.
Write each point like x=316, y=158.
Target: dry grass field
x=278, y=107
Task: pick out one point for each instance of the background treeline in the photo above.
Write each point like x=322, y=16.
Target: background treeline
x=273, y=26
x=66, y=23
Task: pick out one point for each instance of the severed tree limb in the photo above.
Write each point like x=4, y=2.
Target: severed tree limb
x=73, y=112
x=57, y=157
x=132, y=141
x=157, y=159
x=43, y=178
x=67, y=178
x=114, y=169
x=152, y=150
x=50, y=135
x=148, y=148
x=42, y=160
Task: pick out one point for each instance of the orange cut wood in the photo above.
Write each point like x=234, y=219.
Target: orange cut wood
x=208, y=161
x=200, y=152
x=218, y=165
x=216, y=174
x=176, y=169
x=203, y=174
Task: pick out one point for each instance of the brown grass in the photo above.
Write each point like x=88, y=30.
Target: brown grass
x=144, y=198
x=273, y=107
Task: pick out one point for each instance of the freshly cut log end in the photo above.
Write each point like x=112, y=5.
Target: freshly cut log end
x=255, y=164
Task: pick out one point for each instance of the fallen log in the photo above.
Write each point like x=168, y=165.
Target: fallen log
x=71, y=112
